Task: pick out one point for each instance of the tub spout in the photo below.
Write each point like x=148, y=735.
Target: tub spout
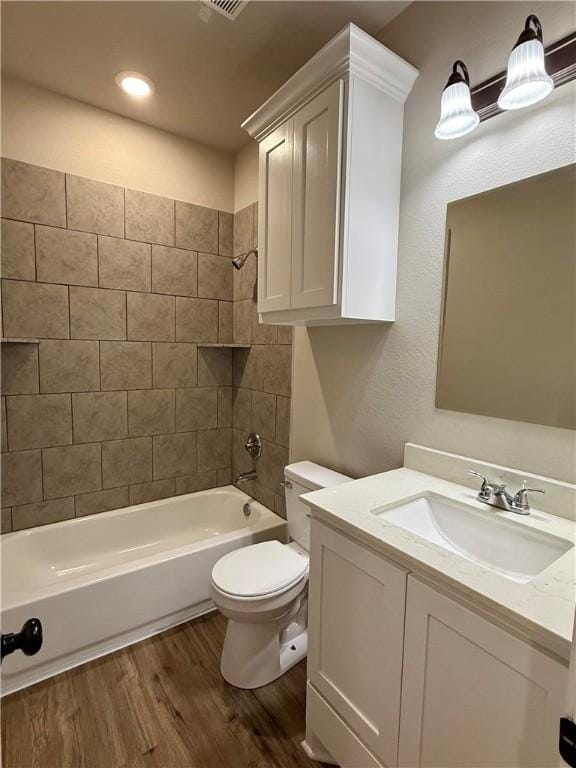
x=243, y=477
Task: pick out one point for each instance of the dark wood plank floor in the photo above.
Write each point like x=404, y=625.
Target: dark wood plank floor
x=160, y=703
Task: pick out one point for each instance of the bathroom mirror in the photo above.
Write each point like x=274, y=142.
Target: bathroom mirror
x=508, y=332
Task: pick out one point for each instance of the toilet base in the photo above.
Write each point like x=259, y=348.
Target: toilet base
x=254, y=655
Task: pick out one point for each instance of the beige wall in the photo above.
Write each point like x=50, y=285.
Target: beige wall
x=360, y=393
x=50, y=130
x=246, y=176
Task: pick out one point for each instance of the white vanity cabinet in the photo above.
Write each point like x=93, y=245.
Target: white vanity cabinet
x=472, y=693
x=330, y=147
x=400, y=673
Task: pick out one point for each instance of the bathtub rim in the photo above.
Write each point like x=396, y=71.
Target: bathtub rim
x=17, y=598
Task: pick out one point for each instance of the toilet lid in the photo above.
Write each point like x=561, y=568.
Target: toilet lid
x=260, y=569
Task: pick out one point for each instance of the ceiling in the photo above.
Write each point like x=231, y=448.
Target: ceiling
x=209, y=75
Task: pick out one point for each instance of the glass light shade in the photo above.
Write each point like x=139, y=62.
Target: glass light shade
x=527, y=81
x=457, y=118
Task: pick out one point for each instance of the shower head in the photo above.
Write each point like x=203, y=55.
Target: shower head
x=239, y=261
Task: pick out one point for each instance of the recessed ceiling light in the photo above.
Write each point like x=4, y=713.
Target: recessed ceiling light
x=134, y=83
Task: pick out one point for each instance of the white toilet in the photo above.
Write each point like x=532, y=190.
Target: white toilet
x=262, y=589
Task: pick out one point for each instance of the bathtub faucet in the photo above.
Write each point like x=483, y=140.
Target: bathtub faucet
x=243, y=477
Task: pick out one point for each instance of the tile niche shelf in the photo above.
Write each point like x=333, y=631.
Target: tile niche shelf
x=13, y=340
x=215, y=345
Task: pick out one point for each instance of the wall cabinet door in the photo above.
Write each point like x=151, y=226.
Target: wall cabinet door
x=356, y=624
x=316, y=199
x=275, y=219
x=472, y=694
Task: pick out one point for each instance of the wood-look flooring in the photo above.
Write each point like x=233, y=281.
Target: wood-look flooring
x=159, y=703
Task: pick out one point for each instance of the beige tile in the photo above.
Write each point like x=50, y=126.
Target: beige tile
x=243, y=322
x=157, y=489
x=20, y=369
x=174, y=365
x=214, y=367
x=71, y=469
x=262, y=494
x=125, y=364
x=285, y=333
x=69, y=366
x=174, y=271
x=277, y=373
x=214, y=449
x=6, y=519
x=264, y=415
x=248, y=279
x=42, y=513
x=101, y=501
x=242, y=409
x=99, y=416
x=196, y=320
x=225, y=233
x=262, y=333
x=224, y=406
x=66, y=256
x=150, y=412
x=125, y=462
x=200, y=481
x=196, y=409
x=282, y=421
x=21, y=477
x=97, y=313
x=225, y=322
x=196, y=228
x=49, y=320
x=3, y=428
x=248, y=367
x=38, y=421
x=280, y=505
x=174, y=455
x=124, y=264
x=215, y=275
x=150, y=317
x=241, y=460
x=271, y=466
x=18, y=260
x=94, y=206
x=149, y=218
x=243, y=230
x=224, y=476
x=32, y=193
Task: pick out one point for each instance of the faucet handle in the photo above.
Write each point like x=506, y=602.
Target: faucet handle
x=520, y=500
x=486, y=487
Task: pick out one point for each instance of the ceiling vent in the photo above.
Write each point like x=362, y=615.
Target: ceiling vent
x=229, y=8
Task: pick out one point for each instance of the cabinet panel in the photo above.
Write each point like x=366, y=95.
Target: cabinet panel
x=472, y=694
x=316, y=199
x=275, y=219
x=356, y=622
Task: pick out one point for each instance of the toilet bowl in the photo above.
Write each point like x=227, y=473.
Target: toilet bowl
x=262, y=590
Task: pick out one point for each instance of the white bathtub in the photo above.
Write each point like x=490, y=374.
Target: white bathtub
x=101, y=582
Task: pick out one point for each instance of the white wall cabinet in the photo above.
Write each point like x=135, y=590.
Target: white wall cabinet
x=399, y=673
x=329, y=186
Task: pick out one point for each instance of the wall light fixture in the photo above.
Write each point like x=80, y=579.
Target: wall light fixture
x=457, y=118
x=527, y=81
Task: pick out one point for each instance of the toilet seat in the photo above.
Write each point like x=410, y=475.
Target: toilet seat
x=259, y=570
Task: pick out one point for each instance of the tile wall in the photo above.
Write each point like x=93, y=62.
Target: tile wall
x=118, y=404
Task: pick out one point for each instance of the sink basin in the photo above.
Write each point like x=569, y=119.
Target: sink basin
x=511, y=549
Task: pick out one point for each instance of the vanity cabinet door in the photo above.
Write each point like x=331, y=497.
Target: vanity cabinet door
x=316, y=199
x=275, y=219
x=472, y=694
x=356, y=624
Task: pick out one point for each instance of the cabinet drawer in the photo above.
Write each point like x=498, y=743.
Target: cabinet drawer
x=344, y=746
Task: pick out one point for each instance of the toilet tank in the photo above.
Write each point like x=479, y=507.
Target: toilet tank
x=303, y=477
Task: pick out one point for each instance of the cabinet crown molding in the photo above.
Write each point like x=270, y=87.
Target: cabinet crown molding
x=352, y=51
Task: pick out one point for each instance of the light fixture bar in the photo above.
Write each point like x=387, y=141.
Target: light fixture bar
x=560, y=58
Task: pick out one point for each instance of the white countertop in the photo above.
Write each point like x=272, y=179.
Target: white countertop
x=541, y=609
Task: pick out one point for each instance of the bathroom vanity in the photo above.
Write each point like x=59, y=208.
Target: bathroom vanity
x=439, y=627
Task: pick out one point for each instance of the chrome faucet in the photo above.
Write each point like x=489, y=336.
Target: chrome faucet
x=496, y=495
x=243, y=477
